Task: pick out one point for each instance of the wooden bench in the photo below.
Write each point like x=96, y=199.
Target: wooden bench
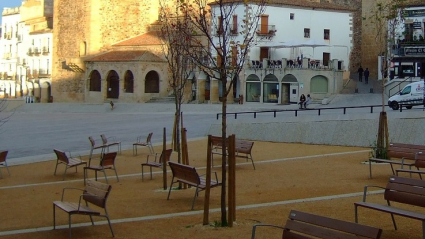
x=305, y=225
x=243, y=149
x=95, y=193
x=187, y=174
x=399, y=154
x=407, y=191
x=69, y=162
x=419, y=163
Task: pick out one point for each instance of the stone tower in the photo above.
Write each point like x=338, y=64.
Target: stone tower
x=84, y=28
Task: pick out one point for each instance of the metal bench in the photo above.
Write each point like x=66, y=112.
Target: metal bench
x=187, y=174
x=306, y=225
x=407, y=191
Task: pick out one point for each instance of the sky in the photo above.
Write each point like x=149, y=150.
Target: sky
x=9, y=3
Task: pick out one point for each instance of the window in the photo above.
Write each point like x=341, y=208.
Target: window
x=306, y=32
x=234, y=55
x=406, y=90
x=291, y=16
x=128, y=82
x=219, y=26
x=95, y=81
x=234, y=29
x=264, y=25
x=327, y=34
x=219, y=57
x=264, y=53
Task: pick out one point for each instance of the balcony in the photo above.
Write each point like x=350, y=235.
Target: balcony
x=20, y=38
x=266, y=30
x=7, y=55
x=45, y=50
x=35, y=74
x=30, y=51
x=37, y=51
x=43, y=73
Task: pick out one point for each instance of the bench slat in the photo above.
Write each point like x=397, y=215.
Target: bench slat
x=391, y=209
x=72, y=208
x=334, y=224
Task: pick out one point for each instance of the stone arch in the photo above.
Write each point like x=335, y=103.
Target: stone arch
x=319, y=85
x=95, y=81
x=253, y=88
x=128, y=82
x=113, y=85
x=45, y=92
x=289, y=78
x=152, y=82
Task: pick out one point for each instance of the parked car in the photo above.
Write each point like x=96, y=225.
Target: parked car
x=412, y=94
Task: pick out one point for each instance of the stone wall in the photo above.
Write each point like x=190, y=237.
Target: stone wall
x=358, y=132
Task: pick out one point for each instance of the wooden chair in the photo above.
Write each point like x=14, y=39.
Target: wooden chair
x=93, y=147
x=147, y=143
x=3, y=162
x=69, y=162
x=107, y=162
x=165, y=156
x=110, y=141
x=95, y=193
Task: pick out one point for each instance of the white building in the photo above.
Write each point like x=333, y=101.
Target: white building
x=9, y=52
x=298, y=49
x=26, y=48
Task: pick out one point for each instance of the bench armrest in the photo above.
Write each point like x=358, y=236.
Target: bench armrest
x=215, y=173
x=263, y=225
x=369, y=186
x=63, y=191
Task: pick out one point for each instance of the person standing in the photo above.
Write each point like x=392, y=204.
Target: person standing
x=366, y=76
x=302, y=101
x=360, y=71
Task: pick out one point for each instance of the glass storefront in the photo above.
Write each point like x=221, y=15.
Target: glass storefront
x=253, y=88
x=270, y=89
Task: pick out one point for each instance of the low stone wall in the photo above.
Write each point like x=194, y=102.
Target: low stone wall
x=359, y=132
x=8, y=105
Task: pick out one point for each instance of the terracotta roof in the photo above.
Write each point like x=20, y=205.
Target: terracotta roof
x=149, y=38
x=125, y=56
x=299, y=3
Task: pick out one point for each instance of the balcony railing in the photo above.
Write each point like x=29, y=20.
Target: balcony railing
x=30, y=51
x=37, y=51
x=44, y=73
x=45, y=50
x=266, y=30
x=7, y=55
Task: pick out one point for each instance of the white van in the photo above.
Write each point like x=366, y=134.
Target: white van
x=412, y=94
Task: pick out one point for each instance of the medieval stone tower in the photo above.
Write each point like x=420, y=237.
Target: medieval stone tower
x=84, y=28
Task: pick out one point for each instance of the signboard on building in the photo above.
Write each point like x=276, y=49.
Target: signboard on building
x=414, y=51
x=414, y=13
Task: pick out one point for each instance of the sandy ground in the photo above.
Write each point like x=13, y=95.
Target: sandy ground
x=319, y=179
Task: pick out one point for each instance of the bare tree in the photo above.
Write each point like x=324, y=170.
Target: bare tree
x=221, y=49
x=175, y=46
x=386, y=18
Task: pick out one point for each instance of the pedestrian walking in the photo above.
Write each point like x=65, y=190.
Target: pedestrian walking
x=366, y=76
x=360, y=71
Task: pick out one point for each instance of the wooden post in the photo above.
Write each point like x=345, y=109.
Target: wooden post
x=232, y=179
x=208, y=184
x=185, y=155
x=164, y=163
